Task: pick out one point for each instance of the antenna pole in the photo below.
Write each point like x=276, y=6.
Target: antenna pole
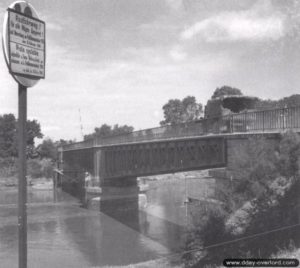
x=81, y=127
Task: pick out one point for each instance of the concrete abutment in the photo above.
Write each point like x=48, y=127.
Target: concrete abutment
x=239, y=147
x=119, y=197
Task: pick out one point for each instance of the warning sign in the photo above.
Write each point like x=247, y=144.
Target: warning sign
x=26, y=41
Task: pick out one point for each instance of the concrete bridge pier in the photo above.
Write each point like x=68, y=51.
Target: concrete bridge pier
x=118, y=195
x=119, y=200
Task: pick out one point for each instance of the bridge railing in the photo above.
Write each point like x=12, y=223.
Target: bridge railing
x=159, y=133
x=79, y=145
x=264, y=120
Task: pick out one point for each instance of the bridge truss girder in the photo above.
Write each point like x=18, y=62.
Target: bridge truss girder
x=171, y=156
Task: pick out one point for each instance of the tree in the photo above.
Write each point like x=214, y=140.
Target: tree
x=181, y=111
x=8, y=135
x=293, y=100
x=103, y=131
x=107, y=130
x=33, y=131
x=47, y=149
x=119, y=130
x=8, y=146
x=63, y=142
x=264, y=191
x=226, y=90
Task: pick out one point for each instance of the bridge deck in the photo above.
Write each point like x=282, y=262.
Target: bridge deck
x=257, y=122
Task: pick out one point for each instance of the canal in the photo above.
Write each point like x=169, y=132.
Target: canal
x=62, y=232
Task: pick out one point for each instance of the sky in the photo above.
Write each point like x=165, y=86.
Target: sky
x=120, y=61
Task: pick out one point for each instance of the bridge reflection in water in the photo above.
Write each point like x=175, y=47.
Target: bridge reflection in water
x=161, y=222
x=60, y=232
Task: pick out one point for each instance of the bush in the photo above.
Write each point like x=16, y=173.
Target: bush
x=8, y=167
x=265, y=197
x=40, y=168
x=289, y=149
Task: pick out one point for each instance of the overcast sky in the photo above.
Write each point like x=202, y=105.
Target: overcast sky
x=119, y=61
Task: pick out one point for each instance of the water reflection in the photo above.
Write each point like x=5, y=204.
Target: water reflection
x=60, y=232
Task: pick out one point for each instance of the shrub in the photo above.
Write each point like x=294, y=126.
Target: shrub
x=289, y=149
x=265, y=197
x=40, y=168
x=8, y=167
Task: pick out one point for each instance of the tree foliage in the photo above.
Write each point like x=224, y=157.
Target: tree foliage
x=181, y=111
x=33, y=131
x=226, y=91
x=267, y=182
x=39, y=168
x=293, y=100
x=48, y=148
x=8, y=146
x=107, y=130
x=8, y=135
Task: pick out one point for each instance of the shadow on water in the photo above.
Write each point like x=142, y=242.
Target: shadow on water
x=124, y=234
x=163, y=231
x=119, y=233
x=103, y=241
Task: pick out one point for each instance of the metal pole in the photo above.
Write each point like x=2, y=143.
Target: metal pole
x=263, y=113
x=22, y=185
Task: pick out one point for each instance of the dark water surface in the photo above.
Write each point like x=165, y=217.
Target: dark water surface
x=62, y=233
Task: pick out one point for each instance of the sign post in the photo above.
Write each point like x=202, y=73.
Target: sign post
x=24, y=47
x=22, y=181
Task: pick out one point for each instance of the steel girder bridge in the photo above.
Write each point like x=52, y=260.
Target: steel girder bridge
x=115, y=162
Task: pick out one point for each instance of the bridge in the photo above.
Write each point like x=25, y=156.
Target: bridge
x=115, y=162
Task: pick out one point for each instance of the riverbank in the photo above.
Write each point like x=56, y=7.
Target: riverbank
x=11, y=183
x=179, y=175
x=8, y=182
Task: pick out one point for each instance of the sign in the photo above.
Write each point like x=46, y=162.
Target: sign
x=26, y=38
x=24, y=52
x=24, y=43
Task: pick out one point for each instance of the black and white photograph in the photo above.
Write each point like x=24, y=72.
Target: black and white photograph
x=149, y=133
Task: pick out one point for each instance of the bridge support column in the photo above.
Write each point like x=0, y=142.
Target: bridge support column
x=119, y=199
x=98, y=159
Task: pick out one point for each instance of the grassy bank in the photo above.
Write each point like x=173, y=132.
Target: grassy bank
x=36, y=169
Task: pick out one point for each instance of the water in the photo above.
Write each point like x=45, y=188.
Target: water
x=62, y=233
